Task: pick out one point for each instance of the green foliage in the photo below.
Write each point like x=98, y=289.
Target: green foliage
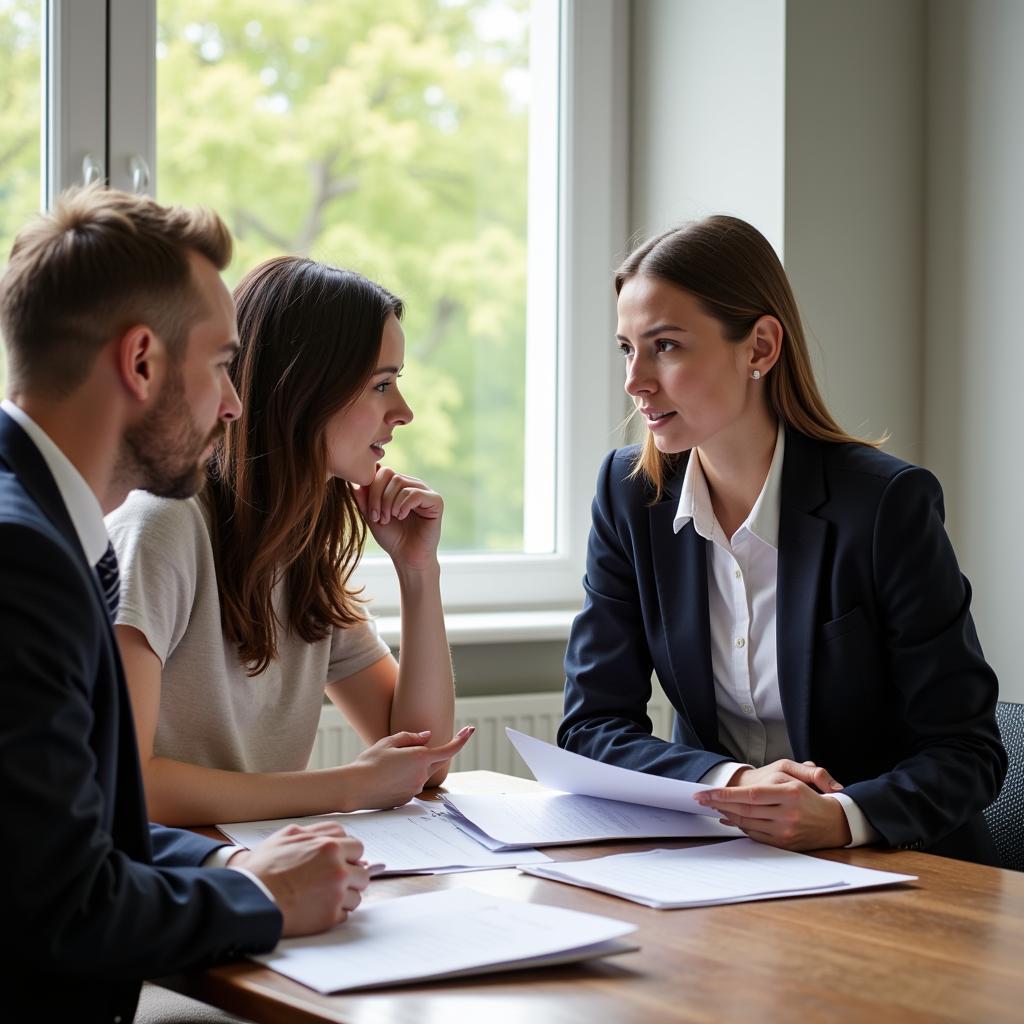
x=20, y=117
x=383, y=135
x=379, y=135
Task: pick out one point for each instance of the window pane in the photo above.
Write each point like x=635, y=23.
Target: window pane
x=390, y=136
x=20, y=120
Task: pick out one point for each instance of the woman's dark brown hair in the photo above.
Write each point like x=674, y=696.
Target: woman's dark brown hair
x=310, y=340
x=732, y=269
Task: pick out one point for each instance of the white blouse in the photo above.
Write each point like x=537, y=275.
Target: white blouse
x=742, y=586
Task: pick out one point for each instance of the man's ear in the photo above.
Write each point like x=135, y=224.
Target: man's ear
x=141, y=358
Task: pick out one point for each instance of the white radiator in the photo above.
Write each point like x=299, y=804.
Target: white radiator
x=535, y=713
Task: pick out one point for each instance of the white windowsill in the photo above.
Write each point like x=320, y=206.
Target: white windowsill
x=494, y=627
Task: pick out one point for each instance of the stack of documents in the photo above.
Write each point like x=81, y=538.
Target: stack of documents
x=416, y=839
x=514, y=821
x=704, y=876
x=444, y=934
x=591, y=801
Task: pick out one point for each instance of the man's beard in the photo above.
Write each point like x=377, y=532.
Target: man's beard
x=161, y=452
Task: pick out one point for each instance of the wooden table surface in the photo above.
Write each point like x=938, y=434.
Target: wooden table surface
x=949, y=947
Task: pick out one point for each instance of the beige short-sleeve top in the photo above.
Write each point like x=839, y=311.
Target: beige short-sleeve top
x=211, y=712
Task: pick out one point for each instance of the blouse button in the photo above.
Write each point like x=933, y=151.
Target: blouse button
x=740, y=642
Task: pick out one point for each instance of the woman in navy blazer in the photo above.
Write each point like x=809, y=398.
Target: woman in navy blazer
x=792, y=587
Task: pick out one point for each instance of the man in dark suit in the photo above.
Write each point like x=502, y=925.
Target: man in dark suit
x=119, y=334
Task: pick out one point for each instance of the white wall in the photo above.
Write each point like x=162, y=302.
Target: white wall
x=806, y=118
x=901, y=176
x=854, y=206
x=708, y=110
x=974, y=363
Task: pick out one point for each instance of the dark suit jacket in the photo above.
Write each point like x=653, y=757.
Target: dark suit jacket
x=94, y=898
x=881, y=675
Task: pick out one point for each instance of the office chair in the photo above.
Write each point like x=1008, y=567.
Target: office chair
x=1005, y=816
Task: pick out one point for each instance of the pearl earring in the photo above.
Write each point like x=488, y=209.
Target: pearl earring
x=756, y=375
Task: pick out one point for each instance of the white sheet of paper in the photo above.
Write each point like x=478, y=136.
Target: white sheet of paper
x=442, y=934
x=418, y=838
x=514, y=820
x=465, y=825
x=703, y=876
x=573, y=773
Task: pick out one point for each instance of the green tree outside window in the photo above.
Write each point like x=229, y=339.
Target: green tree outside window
x=20, y=119
x=389, y=136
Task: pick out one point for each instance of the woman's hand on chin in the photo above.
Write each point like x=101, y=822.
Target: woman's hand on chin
x=404, y=516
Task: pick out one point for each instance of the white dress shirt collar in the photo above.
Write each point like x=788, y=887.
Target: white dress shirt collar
x=763, y=520
x=79, y=499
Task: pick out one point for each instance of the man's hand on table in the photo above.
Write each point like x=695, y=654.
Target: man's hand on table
x=314, y=873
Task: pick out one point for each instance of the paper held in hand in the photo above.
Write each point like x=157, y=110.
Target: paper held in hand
x=573, y=773
x=446, y=934
x=705, y=876
x=592, y=802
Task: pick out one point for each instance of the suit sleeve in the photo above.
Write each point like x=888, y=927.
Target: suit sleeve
x=76, y=902
x=608, y=662
x=179, y=848
x=955, y=762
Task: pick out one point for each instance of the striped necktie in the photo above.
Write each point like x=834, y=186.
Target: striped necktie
x=110, y=581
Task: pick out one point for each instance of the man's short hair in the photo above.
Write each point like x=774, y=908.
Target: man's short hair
x=98, y=263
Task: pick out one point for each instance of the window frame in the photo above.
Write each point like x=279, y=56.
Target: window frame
x=109, y=107
x=74, y=93
x=592, y=213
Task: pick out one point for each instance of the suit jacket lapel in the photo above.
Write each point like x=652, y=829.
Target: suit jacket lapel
x=802, y=538
x=680, y=569
x=128, y=815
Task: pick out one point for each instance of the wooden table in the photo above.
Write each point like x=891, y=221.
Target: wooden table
x=950, y=947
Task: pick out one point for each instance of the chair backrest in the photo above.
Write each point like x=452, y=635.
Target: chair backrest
x=1005, y=816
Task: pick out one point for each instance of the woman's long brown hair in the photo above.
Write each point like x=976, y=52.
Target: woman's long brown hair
x=310, y=339
x=731, y=268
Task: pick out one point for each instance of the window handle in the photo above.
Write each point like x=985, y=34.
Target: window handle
x=92, y=169
x=140, y=173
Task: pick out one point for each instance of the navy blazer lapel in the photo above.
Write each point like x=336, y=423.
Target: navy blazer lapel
x=680, y=569
x=802, y=538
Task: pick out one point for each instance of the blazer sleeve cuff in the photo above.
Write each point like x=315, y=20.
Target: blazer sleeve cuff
x=219, y=858
x=861, y=831
x=255, y=881
x=719, y=776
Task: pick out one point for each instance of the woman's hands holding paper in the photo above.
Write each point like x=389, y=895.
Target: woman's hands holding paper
x=783, y=804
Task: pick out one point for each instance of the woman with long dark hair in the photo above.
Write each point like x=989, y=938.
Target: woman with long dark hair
x=791, y=586
x=236, y=610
